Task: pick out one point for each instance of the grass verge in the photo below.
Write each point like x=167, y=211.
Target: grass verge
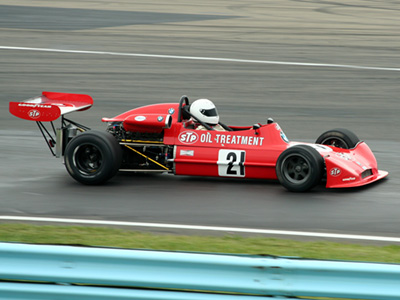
x=111, y=237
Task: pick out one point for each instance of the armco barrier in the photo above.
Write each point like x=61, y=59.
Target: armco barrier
x=30, y=271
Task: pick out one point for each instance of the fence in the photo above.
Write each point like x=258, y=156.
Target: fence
x=71, y=272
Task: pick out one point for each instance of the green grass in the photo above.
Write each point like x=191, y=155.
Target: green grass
x=111, y=237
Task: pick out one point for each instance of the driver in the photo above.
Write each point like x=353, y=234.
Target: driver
x=205, y=111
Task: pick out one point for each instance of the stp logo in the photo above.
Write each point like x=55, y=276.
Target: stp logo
x=336, y=172
x=34, y=114
x=188, y=137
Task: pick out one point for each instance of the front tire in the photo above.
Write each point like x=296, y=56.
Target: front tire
x=339, y=137
x=93, y=157
x=300, y=168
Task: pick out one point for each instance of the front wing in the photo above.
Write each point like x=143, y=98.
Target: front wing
x=352, y=168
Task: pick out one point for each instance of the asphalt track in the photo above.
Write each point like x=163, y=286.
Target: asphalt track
x=310, y=65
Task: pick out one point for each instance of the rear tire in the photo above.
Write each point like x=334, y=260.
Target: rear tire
x=339, y=137
x=93, y=157
x=300, y=168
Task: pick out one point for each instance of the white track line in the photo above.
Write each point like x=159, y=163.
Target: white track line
x=271, y=62
x=205, y=228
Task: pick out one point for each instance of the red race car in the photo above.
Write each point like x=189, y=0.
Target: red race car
x=165, y=138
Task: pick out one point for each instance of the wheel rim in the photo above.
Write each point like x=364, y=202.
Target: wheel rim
x=88, y=159
x=335, y=142
x=296, y=168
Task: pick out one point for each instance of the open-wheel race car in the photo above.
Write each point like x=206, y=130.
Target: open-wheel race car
x=163, y=138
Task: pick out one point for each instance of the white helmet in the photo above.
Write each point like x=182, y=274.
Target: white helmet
x=205, y=111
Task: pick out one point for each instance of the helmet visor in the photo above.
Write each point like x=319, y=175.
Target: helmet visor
x=209, y=112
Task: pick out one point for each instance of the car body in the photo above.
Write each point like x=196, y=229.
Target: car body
x=161, y=138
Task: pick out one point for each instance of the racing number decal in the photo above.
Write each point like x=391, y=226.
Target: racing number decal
x=232, y=158
x=231, y=163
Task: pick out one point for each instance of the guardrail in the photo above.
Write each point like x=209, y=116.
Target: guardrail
x=71, y=272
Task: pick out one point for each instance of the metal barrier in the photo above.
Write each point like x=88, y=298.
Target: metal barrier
x=70, y=272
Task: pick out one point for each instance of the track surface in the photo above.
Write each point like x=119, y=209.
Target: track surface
x=290, y=37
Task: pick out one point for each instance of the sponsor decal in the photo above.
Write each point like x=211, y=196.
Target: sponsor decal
x=171, y=111
x=160, y=118
x=344, y=156
x=34, y=114
x=335, y=172
x=188, y=137
x=229, y=139
x=140, y=118
x=284, y=138
x=360, y=164
x=34, y=105
x=187, y=152
x=349, y=179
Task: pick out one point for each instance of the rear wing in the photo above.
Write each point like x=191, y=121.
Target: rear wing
x=49, y=107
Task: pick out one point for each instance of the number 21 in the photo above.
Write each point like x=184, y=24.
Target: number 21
x=231, y=163
x=232, y=159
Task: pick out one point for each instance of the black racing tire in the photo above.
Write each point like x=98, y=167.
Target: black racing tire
x=300, y=168
x=93, y=157
x=339, y=137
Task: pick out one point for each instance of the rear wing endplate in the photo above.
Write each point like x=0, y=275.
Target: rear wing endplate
x=49, y=107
